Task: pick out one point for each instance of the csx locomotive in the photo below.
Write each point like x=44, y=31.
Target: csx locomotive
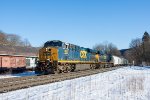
x=58, y=56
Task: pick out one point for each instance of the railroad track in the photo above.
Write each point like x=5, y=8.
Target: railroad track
x=10, y=84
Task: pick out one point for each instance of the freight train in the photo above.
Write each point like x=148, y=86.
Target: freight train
x=58, y=56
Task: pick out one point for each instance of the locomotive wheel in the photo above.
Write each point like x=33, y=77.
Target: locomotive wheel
x=92, y=66
x=59, y=69
x=66, y=69
x=97, y=66
x=62, y=68
x=73, y=67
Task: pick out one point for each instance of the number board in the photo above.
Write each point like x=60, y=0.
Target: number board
x=65, y=51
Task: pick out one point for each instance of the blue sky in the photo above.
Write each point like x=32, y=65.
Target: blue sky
x=81, y=22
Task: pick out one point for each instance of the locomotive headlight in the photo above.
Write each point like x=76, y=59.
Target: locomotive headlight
x=46, y=49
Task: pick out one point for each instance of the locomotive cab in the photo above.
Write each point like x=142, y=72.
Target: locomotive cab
x=49, y=53
x=48, y=58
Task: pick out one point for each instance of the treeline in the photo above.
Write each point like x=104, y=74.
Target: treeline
x=139, y=52
x=14, y=44
x=107, y=48
x=13, y=40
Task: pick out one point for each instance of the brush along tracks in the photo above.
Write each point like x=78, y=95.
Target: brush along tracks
x=10, y=84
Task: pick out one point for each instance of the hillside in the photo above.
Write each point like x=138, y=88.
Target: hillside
x=18, y=50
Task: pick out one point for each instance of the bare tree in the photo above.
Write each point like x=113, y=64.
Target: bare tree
x=113, y=50
x=107, y=48
x=136, y=51
x=14, y=40
x=3, y=38
x=26, y=43
x=140, y=50
x=136, y=47
x=128, y=55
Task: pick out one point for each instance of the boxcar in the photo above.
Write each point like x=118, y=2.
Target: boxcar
x=13, y=63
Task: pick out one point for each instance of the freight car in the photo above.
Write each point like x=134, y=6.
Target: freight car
x=119, y=61
x=58, y=56
x=13, y=63
x=31, y=62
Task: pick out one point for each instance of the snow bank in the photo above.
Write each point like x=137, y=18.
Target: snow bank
x=129, y=83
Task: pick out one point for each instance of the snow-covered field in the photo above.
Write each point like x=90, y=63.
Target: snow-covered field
x=128, y=83
x=29, y=73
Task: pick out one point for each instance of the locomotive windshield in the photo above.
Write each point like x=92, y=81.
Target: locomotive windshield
x=53, y=43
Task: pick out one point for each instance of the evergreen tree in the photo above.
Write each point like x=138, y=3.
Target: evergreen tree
x=146, y=37
x=146, y=47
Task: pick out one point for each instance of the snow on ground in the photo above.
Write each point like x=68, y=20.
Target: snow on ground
x=29, y=73
x=128, y=83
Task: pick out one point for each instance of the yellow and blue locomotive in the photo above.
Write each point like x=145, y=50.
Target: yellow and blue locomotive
x=58, y=56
